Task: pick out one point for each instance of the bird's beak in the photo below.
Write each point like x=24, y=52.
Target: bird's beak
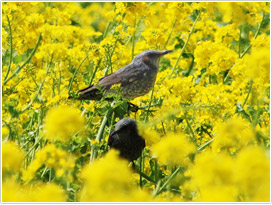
x=166, y=52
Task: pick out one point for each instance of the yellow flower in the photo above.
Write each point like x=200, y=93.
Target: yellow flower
x=212, y=176
x=12, y=156
x=151, y=136
x=94, y=142
x=233, y=135
x=5, y=131
x=90, y=107
x=215, y=56
x=109, y=179
x=52, y=157
x=49, y=193
x=174, y=149
x=15, y=192
x=63, y=122
x=110, y=35
x=220, y=193
x=239, y=12
x=252, y=174
x=154, y=37
x=259, y=64
x=131, y=30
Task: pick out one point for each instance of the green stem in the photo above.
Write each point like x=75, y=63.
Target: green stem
x=37, y=93
x=183, y=48
x=95, y=70
x=32, y=148
x=32, y=77
x=156, y=170
x=145, y=176
x=239, y=51
x=146, y=106
x=111, y=124
x=102, y=127
x=141, y=177
x=170, y=34
x=111, y=54
x=130, y=36
x=191, y=66
x=107, y=29
x=59, y=82
x=50, y=174
x=156, y=190
x=133, y=39
x=75, y=72
x=163, y=128
x=99, y=136
x=44, y=171
x=240, y=56
x=11, y=89
x=109, y=57
x=27, y=61
x=35, y=97
x=149, y=104
x=205, y=145
x=255, y=36
x=108, y=25
x=257, y=113
x=10, y=42
x=170, y=178
x=249, y=91
x=100, y=131
x=190, y=128
x=226, y=78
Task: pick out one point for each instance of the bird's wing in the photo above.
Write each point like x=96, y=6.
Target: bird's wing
x=125, y=75
x=86, y=88
x=89, y=93
x=93, y=93
x=109, y=80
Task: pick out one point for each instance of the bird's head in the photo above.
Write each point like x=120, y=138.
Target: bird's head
x=125, y=127
x=151, y=57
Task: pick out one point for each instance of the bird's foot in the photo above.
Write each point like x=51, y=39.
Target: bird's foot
x=132, y=107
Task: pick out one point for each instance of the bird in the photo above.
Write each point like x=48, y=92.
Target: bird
x=126, y=139
x=135, y=79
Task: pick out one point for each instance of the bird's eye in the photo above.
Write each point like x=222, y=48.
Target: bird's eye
x=146, y=59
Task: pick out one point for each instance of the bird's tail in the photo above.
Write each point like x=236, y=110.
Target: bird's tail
x=89, y=93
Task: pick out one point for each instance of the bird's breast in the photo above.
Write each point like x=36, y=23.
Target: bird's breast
x=139, y=86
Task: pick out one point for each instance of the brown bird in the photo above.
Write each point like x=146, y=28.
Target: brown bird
x=126, y=139
x=135, y=79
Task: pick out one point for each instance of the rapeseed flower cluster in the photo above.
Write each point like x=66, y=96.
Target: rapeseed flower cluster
x=104, y=181
x=206, y=123
x=62, y=123
x=53, y=158
x=12, y=157
x=233, y=135
x=39, y=192
x=166, y=150
x=227, y=179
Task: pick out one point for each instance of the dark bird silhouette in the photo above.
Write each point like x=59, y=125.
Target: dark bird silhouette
x=135, y=79
x=126, y=139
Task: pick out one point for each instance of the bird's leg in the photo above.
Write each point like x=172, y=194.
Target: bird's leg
x=132, y=107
